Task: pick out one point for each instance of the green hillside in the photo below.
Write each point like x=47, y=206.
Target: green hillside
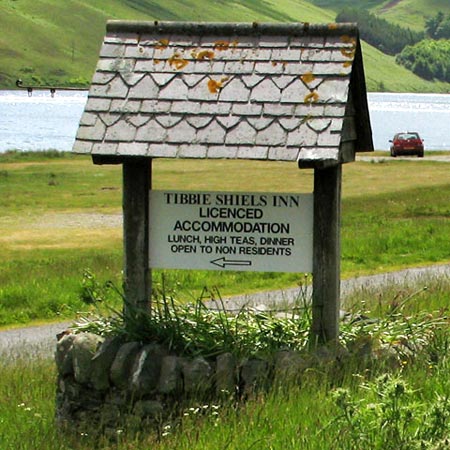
x=407, y=13
x=411, y=13
x=55, y=42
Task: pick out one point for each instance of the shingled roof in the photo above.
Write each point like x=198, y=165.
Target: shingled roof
x=293, y=92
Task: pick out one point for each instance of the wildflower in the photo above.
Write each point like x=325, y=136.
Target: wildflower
x=167, y=429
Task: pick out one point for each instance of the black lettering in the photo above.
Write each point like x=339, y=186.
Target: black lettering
x=289, y=201
x=230, y=213
x=276, y=241
x=215, y=240
x=241, y=200
x=265, y=251
x=226, y=250
x=232, y=227
x=184, y=238
x=182, y=248
x=176, y=198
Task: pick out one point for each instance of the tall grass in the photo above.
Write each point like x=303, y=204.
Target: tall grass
x=198, y=329
x=339, y=407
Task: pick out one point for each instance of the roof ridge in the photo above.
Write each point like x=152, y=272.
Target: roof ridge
x=233, y=28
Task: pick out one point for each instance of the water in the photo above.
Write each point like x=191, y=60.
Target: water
x=39, y=122
x=429, y=114
x=42, y=122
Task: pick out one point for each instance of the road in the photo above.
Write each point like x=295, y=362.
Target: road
x=41, y=340
x=428, y=157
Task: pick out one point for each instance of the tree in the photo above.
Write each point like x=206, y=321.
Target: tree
x=433, y=23
x=380, y=33
x=428, y=59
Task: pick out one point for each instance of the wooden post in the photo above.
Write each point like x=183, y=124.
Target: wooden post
x=326, y=255
x=137, y=276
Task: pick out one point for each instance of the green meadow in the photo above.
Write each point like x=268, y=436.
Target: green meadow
x=61, y=242
x=61, y=236
x=352, y=405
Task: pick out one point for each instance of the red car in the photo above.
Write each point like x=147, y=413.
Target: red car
x=408, y=143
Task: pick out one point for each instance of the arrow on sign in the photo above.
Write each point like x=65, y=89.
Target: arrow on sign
x=222, y=262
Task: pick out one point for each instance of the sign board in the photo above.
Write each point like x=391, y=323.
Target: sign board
x=261, y=232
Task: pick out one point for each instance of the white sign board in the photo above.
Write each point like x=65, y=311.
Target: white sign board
x=258, y=232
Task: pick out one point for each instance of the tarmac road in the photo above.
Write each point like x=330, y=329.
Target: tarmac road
x=41, y=340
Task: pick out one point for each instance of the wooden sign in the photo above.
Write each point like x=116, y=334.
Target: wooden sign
x=264, y=232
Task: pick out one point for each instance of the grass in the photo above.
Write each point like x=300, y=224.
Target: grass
x=62, y=40
x=409, y=226
x=195, y=330
x=413, y=13
x=406, y=13
x=334, y=407
x=46, y=247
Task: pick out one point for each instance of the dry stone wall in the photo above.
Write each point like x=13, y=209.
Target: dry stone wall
x=106, y=382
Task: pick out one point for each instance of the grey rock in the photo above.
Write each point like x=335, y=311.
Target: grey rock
x=123, y=364
x=68, y=387
x=85, y=346
x=170, y=381
x=388, y=356
x=78, y=396
x=254, y=374
x=117, y=398
x=102, y=362
x=361, y=347
x=63, y=354
x=197, y=376
x=147, y=368
x=329, y=354
x=289, y=365
x=225, y=376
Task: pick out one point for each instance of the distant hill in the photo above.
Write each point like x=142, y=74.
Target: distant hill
x=408, y=13
x=411, y=13
x=57, y=42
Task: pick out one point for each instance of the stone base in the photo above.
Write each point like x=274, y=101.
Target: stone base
x=104, y=384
